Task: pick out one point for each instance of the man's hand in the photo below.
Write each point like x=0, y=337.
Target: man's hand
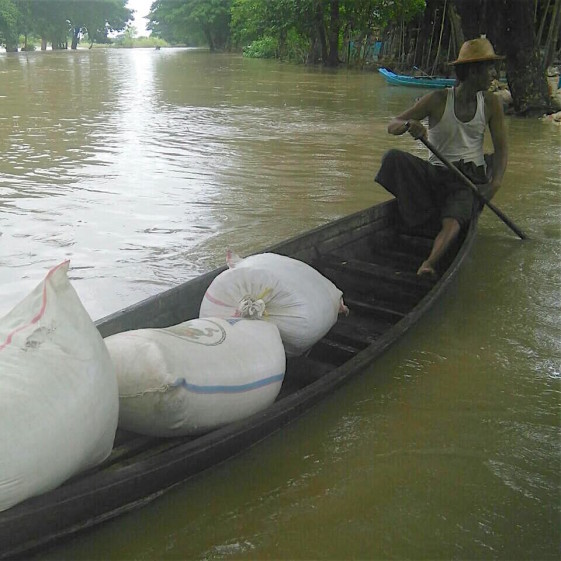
x=488, y=190
x=415, y=128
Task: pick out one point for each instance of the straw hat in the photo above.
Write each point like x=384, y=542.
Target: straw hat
x=476, y=50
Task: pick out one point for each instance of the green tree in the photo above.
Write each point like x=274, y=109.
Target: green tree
x=248, y=21
x=166, y=20
x=9, y=16
x=285, y=22
x=178, y=20
x=322, y=24
x=47, y=20
x=97, y=19
x=362, y=20
x=55, y=20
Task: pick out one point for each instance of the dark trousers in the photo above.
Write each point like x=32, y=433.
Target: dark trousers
x=425, y=191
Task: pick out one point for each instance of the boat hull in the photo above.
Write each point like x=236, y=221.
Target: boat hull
x=142, y=468
x=416, y=81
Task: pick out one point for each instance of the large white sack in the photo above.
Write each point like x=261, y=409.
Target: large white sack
x=58, y=391
x=299, y=300
x=195, y=376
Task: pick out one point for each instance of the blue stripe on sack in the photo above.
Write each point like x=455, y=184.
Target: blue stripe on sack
x=195, y=388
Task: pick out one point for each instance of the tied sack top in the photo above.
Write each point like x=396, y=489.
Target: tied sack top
x=457, y=140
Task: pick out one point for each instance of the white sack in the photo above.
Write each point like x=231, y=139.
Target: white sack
x=58, y=391
x=196, y=376
x=299, y=300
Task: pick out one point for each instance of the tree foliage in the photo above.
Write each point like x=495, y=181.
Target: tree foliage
x=9, y=17
x=182, y=21
x=97, y=19
x=279, y=20
x=324, y=25
x=55, y=21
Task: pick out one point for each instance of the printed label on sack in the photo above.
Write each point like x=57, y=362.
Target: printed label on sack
x=203, y=332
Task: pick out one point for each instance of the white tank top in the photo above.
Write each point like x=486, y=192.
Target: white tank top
x=457, y=140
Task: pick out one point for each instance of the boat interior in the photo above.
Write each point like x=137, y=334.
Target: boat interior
x=375, y=266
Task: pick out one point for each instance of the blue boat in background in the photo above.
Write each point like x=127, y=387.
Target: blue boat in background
x=416, y=81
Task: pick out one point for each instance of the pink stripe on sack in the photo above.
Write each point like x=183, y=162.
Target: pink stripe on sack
x=215, y=301
x=41, y=312
x=219, y=303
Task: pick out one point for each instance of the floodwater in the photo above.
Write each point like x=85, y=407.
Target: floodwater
x=143, y=167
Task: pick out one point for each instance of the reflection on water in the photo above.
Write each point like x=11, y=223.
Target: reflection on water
x=144, y=166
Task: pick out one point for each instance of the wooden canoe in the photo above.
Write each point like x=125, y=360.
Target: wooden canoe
x=367, y=255
x=416, y=81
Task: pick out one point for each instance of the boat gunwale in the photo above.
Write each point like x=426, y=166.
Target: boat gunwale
x=437, y=82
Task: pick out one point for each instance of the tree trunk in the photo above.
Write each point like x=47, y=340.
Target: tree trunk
x=424, y=33
x=334, y=27
x=282, y=44
x=314, y=55
x=513, y=35
x=552, y=35
x=473, y=20
x=455, y=30
x=75, y=38
x=427, y=64
x=320, y=26
x=437, y=55
x=542, y=25
x=209, y=38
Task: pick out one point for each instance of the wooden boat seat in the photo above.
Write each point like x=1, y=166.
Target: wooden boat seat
x=333, y=351
x=398, y=289
x=358, y=330
x=378, y=309
x=381, y=272
x=392, y=258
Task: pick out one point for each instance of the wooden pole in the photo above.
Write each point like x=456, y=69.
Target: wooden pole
x=542, y=25
x=431, y=38
x=434, y=66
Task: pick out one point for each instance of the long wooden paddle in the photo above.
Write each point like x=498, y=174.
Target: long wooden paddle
x=475, y=190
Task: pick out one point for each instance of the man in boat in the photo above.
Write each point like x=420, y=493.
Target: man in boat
x=457, y=118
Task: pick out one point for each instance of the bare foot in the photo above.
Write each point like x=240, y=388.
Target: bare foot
x=427, y=270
